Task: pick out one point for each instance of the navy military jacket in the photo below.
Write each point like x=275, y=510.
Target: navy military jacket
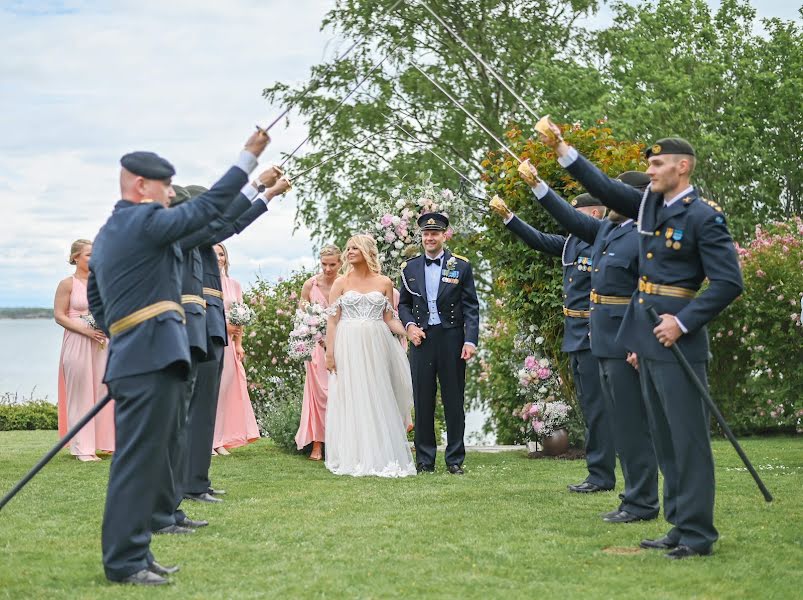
x=615, y=272
x=680, y=245
x=192, y=283
x=577, y=263
x=237, y=217
x=457, y=301
x=136, y=262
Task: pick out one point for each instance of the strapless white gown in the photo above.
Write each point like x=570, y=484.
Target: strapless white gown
x=370, y=396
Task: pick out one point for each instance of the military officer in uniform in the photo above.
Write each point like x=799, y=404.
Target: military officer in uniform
x=684, y=240
x=438, y=305
x=203, y=404
x=134, y=292
x=577, y=262
x=614, y=278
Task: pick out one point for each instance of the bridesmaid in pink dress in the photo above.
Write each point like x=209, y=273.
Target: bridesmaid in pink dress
x=311, y=429
x=82, y=363
x=235, y=423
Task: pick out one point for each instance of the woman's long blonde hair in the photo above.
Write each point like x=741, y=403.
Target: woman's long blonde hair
x=367, y=246
x=226, y=258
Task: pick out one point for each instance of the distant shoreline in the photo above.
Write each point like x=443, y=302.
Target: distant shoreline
x=25, y=312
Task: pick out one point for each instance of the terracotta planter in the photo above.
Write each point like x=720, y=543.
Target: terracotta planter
x=555, y=444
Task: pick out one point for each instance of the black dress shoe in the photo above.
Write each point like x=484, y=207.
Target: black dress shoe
x=155, y=567
x=422, y=468
x=214, y=492
x=204, y=497
x=625, y=517
x=144, y=577
x=663, y=543
x=187, y=522
x=455, y=469
x=587, y=488
x=683, y=551
x=174, y=529
x=613, y=513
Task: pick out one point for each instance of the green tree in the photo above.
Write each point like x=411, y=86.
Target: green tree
x=675, y=68
x=530, y=42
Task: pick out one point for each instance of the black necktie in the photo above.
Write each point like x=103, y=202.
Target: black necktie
x=433, y=261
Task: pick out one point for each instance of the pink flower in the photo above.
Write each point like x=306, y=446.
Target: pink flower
x=386, y=220
x=449, y=234
x=252, y=334
x=538, y=426
x=280, y=279
x=530, y=362
x=535, y=410
x=293, y=296
x=544, y=373
x=273, y=361
x=390, y=237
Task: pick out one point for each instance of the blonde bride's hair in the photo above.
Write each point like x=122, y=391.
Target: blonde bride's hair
x=367, y=246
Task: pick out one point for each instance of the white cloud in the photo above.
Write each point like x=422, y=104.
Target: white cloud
x=89, y=81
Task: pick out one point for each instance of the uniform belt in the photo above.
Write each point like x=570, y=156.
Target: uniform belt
x=213, y=292
x=600, y=299
x=577, y=314
x=144, y=314
x=192, y=299
x=665, y=290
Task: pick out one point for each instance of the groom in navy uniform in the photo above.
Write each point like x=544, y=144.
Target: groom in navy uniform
x=438, y=305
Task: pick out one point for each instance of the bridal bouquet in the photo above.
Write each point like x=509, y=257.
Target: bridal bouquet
x=240, y=314
x=309, y=330
x=393, y=221
x=543, y=414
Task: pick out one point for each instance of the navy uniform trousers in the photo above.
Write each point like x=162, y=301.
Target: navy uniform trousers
x=615, y=251
x=438, y=358
x=144, y=418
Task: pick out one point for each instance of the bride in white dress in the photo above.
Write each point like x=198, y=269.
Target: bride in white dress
x=370, y=388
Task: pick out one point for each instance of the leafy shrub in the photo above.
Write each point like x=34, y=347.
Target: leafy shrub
x=275, y=382
x=756, y=374
x=27, y=415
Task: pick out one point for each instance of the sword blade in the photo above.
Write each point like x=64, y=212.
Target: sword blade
x=339, y=104
x=481, y=60
x=468, y=113
x=313, y=84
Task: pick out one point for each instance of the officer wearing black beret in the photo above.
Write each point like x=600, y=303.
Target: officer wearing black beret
x=439, y=306
x=577, y=261
x=683, y=241
x=134, y=292
x=614, y=279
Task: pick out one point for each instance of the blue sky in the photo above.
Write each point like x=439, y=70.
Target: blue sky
x=84, y=81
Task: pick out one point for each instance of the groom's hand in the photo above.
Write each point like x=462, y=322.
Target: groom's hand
x=468, y=352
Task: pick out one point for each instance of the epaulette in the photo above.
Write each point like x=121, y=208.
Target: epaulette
x=712, y=204
x=463, y=258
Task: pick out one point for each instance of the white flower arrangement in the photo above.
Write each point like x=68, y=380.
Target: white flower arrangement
x=239, y=313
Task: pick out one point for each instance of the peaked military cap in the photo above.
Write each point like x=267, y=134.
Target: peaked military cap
x=196, y=190
x=636, y=179
x=148, y=165
x=433, y=222
x=182, y=195
x=585, y=200
x=673, y=145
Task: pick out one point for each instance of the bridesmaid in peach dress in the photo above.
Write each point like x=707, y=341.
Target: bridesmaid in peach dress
x=235, y=423
x=311, y=429
x=82, y=362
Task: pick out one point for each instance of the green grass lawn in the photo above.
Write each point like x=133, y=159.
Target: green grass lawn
x=507, y=529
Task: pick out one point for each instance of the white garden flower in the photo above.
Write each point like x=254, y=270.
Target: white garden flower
x=398, y=244
x=539, y=340
x=400, y=203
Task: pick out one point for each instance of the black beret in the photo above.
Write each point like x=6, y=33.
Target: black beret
x=673, y=145
x=147, y=165
x=196, y=190
x=637, y=179
x=433, y=222
x=182, y=195
x=583, y=200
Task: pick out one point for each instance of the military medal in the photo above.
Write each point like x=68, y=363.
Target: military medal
x=677, y=235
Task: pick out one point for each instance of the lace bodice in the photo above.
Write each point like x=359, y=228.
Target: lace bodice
x=362, y=307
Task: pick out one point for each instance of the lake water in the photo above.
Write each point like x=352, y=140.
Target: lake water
x=29, y=362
